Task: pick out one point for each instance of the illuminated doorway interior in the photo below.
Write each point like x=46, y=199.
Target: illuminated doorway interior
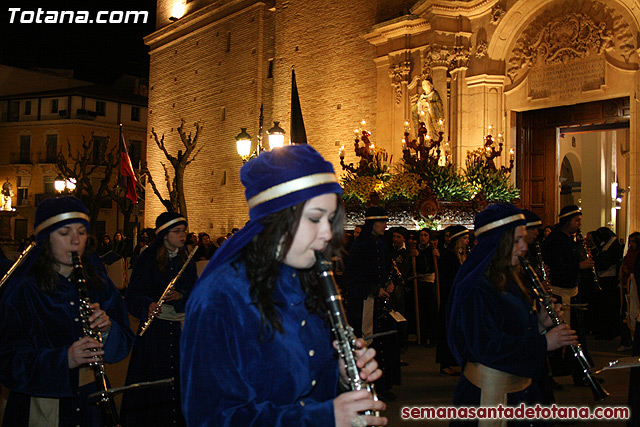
x=593, y=174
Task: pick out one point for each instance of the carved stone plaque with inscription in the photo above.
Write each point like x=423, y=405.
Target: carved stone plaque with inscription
x=560, y=82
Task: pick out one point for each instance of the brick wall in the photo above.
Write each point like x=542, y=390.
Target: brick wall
x=193, y=76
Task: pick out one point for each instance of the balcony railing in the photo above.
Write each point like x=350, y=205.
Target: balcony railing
x=20, y=159
x=79, y=113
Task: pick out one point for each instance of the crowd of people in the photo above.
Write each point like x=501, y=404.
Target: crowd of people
x=249, y=341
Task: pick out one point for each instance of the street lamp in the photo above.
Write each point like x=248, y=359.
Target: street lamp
x=63, y=185
x=243, y=144
x=276, y=136
x=59, y=184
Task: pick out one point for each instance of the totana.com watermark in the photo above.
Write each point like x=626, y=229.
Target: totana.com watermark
x=40, y=16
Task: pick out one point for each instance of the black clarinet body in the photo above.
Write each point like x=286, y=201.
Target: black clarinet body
x=108, y=414
x=342, y=331
x=599, y=393
x=587, y=255
x=538, y=254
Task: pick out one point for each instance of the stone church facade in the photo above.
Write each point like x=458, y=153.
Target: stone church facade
x=557, y=80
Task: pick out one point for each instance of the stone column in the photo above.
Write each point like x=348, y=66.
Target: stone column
x=455, y=112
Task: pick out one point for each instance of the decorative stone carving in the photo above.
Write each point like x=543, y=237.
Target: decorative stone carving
x=399, y=74
x=481, y=49
x=497, y=12
x=459, y=58
x=451, y=57
x=564, y=34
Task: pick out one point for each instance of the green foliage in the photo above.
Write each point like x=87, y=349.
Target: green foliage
x=448, y=184
x=493, y=183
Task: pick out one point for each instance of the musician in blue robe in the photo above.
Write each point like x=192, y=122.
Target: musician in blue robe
x=495, y=329
x=256, y=347
x=43, y=354
x=156, y=354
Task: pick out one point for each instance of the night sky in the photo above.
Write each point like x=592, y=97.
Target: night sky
x=96, y=52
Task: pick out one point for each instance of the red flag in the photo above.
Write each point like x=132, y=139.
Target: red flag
x=127, y=177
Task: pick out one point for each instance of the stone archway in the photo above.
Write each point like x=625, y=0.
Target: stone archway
x=570, y=177
x=559, y=54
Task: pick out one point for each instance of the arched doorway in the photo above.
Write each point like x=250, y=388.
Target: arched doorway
x=574, y=155
x=570, y=178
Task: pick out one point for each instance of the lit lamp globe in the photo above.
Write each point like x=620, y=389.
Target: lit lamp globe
x=243, y=144
x=276, y=136
x=71, y=184
x=59, y=184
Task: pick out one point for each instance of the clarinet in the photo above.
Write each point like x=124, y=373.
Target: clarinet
x=540, y=261
x=341, y=329
x=107, y=408
x=587, y=255
x=599, y=393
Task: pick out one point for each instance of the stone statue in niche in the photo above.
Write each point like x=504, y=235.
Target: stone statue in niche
x=7, y=193
x=430, y=110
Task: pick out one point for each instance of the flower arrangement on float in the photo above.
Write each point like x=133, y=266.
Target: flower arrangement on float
x=426, y=189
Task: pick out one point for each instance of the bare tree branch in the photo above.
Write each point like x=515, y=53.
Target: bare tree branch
x=175, y=186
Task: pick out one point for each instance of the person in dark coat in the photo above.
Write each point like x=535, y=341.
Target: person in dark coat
x=368, y=282
x=206, y=248
x=44, y=355
x=122, y=245
x=426, y=254
x=607, y=258
x=448, y=265
x=156, y=354
x=105, y=245
x=562, y=254
x=495, y=331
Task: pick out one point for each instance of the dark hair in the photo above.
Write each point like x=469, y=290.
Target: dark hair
x=162, y=256
x=264, y=253
x=46, y=275
x=500, y=272
x=201, y=236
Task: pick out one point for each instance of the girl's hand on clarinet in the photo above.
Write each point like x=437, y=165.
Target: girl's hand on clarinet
x=99, y=319
x=80, y=353
x=347, y=406
x=560, y=336
x=366, y=362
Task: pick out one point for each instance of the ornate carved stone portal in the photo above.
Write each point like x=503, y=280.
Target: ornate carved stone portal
x=570, y=31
